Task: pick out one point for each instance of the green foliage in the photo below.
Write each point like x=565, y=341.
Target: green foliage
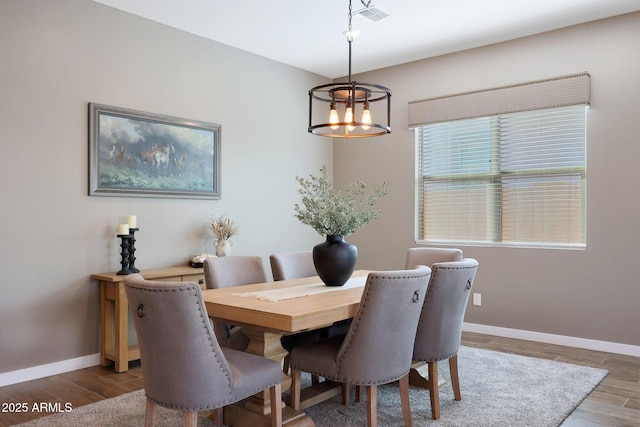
x=330, y=211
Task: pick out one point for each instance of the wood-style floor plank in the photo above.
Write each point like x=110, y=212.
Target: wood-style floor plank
x=77, y=388
x=614, y=403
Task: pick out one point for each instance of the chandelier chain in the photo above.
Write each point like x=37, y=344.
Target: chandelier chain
x=366, y=5
x=349, y=35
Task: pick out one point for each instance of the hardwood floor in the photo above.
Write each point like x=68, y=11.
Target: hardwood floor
x=615, y=402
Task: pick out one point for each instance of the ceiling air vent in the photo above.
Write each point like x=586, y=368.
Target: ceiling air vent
x=370, y=14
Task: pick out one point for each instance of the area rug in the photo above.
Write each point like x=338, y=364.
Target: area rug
x=498, y=389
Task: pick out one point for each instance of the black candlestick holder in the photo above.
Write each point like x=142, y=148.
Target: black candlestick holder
x=126, y=242
x=132, y=250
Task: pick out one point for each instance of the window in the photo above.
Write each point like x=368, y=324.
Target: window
x=510, y=178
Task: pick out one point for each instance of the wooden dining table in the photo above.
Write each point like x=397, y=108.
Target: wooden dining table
x=266, y=312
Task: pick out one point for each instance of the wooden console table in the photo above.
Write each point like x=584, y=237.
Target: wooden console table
x=114, y=312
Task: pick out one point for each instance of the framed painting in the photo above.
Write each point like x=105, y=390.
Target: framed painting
x=138, y=154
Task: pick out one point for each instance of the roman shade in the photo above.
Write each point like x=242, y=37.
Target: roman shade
x=542, y=94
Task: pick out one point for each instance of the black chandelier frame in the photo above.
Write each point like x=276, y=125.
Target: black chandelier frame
x=352, y=93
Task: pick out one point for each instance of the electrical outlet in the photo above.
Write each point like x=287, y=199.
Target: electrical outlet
x=477, y=299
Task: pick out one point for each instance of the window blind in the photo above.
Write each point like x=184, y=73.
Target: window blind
x=543, y=176
x=516, y=178
x=456, y=181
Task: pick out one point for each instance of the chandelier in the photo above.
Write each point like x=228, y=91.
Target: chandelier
x=352, y=105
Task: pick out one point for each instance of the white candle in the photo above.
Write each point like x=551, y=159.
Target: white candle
x=131, y=219
x=123, y=229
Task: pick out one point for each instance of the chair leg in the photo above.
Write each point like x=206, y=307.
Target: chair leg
x=285, y=365
x=346, y=394
x=372, y=406
x=150, y=416
x=404, y=400
x=275, y=394
x=433, y=390
x=455, y=382
x=295, y=389
x=191, y=419
x=217, y=417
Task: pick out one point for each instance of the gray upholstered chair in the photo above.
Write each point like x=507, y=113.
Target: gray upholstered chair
x=440, y=326
x=429, y=256
x=378, y=346
x=292, y=265
x=183, y=366
x=224, y=272
x=227, y=271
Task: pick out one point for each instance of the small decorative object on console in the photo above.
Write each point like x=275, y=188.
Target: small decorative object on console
x=223, y=228
x=198, y=260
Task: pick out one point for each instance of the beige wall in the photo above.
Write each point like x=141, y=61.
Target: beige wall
x=56, y=57
x=590, y=294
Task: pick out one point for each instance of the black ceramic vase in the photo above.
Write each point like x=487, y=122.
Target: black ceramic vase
x=335, y=260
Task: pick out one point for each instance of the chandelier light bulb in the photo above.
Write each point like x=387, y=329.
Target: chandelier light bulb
x=333, y=116
x=366, y=117
x=348, y=117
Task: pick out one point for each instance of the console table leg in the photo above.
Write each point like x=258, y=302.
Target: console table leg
x=106, y=319
x=122, y=330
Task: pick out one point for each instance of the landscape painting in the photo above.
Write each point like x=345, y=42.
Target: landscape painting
x=133, y=153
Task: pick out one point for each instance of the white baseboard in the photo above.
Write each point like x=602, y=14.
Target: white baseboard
x=49, y=369
x=55, y=368
x=588, y=344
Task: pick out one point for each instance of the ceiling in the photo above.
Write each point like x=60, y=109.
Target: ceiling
x=309, y=34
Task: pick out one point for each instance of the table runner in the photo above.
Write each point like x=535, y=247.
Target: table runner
x=302, y=290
